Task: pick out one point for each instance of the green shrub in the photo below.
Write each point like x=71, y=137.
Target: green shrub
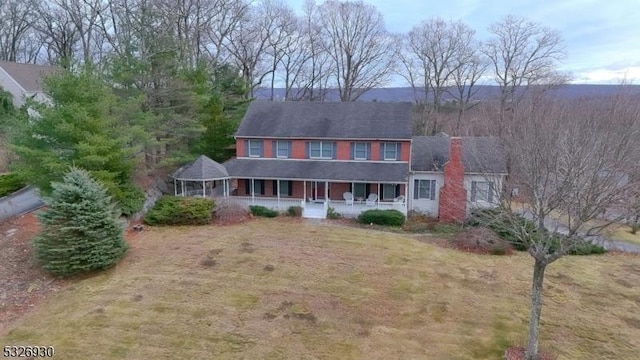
x=295, y=211
x=382, y=217
x=588, y=249
x=262, y=211
x=175, y=210
x=10, y=183
x=81, y=231
x=333, y=214
x=130, y=199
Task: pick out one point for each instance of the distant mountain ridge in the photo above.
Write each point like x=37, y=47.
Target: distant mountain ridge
x=395, y=94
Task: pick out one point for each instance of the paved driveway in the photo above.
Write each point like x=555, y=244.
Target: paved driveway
x=554, y=225
x=19, y=202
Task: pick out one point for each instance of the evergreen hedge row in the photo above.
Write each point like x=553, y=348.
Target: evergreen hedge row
x=176, y=210
x=382, y=217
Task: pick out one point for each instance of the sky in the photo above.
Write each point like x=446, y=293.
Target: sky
x=601, y=37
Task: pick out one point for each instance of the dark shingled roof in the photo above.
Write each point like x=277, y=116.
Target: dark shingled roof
x=201, y=169
x=479, y=154
x=29, y=76
x=318, y=170
x=339, y=120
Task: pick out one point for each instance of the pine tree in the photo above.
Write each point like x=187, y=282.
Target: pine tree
x=81, y=231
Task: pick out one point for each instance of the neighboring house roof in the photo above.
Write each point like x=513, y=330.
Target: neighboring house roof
x=318, y=170
x=479, y=154
x=29, y=76
x=338, y=120
x=203, y=168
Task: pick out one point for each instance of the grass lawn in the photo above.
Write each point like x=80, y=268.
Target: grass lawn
x=283, y=289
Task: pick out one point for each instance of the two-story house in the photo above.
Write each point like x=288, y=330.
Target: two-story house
x=350, y=157
x=317, y=152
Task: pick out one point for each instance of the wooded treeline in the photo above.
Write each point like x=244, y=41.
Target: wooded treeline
x=142, y=45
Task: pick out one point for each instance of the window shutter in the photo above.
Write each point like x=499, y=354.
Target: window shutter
x=261, y=148
x=382, y=151
x=397, y=187
x=288, y=149
x=275, y=187
x=290, y=188
x=307, y=150
x=246, y=148
x=474, y=186
x=353, y=150
x=261, y=187
x=334, y=146
x=274, y=149
x=399, y=147
x=368, y=151
x=416, y=189
x=247, y=186
x=491, y=190
x=367, y=190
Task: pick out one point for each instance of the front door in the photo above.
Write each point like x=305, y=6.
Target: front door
x=317, y=190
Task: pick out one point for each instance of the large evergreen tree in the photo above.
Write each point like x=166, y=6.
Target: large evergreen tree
x=81, y=231
x=79, y=128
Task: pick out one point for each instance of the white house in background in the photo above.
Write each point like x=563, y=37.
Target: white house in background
x=450, y=176
x=25, y=81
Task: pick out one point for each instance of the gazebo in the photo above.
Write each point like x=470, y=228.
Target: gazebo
x=201, y=178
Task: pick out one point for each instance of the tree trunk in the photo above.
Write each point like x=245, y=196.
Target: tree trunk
x=536, y=308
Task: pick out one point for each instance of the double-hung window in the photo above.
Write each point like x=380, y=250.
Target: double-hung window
x=360, y=151
x=255, y=148
x=390, y=151
x=482, y=191
x=424, y=189
x=282, y=149
x=321, y=150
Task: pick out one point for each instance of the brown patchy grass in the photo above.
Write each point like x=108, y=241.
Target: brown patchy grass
x=330, y=292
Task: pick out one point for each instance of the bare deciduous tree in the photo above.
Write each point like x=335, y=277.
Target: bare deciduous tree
x=440, y=57
x=358, y=44
x=16, y=18
x=523, y=53
x=568, y=158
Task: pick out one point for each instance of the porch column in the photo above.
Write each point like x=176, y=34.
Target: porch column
x=204, y=189
x=353, y=191
x=326, y=191
x=315, y=196
x=253, y=188
x=304, y=190
x=182, y=182
x=175, y=186
x=378, y=201
x=278, y=191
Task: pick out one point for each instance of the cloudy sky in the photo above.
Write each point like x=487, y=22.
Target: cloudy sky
x=602, y=37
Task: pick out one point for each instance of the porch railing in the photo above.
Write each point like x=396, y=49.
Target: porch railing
x=272, y=203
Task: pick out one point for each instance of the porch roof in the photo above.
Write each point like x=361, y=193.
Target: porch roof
x=347, y=171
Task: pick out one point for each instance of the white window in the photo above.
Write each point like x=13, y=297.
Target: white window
x=320, y=150
x=282, y=149
x=390, y=151
x=424, y=189
x=255, y=148
x=360, y=151
x=482, y=191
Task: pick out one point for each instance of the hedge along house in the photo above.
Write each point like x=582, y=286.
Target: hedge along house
x=451, y=176
x=203, y=177
x=351, y=156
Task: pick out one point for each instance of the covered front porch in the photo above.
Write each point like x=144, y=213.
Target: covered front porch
x=316, y=196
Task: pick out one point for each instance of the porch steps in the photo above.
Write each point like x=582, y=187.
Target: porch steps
x=314, y=213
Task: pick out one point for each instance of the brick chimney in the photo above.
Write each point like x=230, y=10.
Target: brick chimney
x=453, y=196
